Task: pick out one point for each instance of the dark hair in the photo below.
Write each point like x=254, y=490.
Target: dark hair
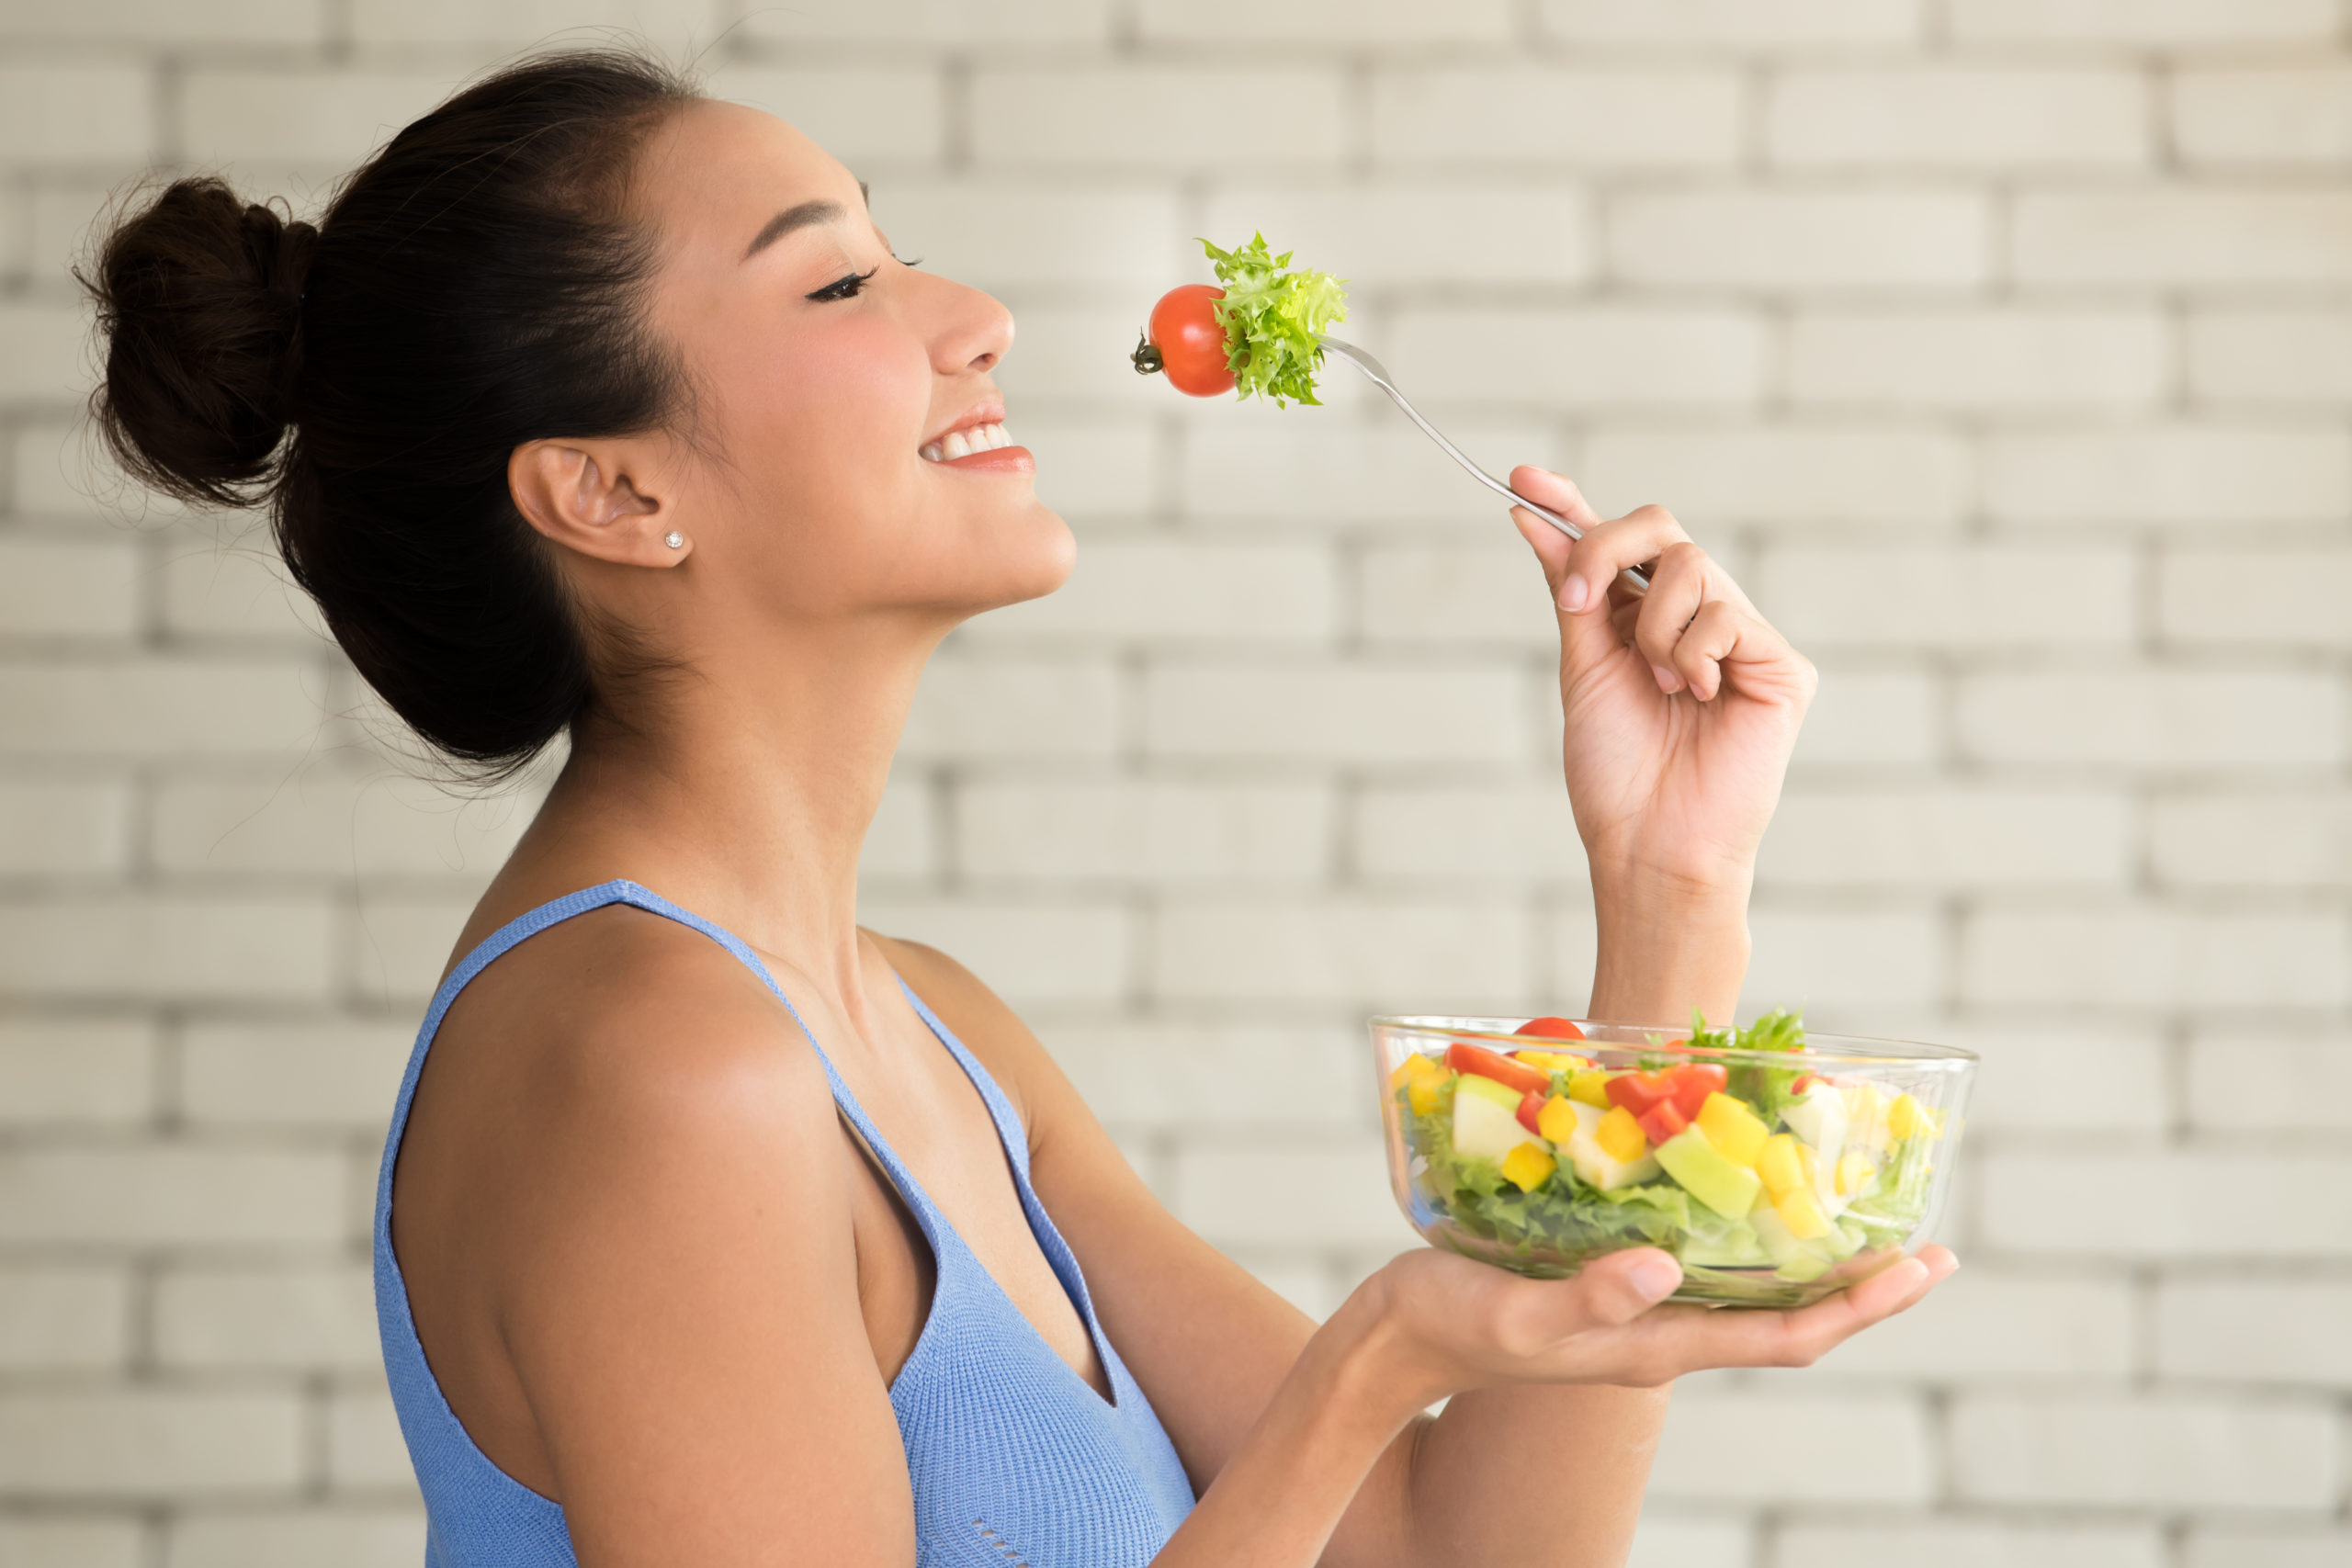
x=475, y=286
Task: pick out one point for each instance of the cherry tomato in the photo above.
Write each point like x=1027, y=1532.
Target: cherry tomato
x=1186, y=342
x=1463, y=1058
x=1530, y=1109
x=1550, y=1029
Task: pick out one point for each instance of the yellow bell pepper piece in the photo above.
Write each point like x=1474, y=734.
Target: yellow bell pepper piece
x=1907, y=1118
x=1619, y=1137
x=1419, y=1077
x=1413, y=1066
x=1554, y=1061
x=1421, y=1094
x=1592, y=1086
x=1801, y=1212
x=1526, y=1166
x=1779, y=1165
x=1557, y=1120
x=1853, y=1169
x=1736, y=1130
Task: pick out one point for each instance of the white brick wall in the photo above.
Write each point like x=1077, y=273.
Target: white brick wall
x=2003, y=346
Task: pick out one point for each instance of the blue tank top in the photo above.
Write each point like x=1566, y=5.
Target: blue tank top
x=1015, y=1460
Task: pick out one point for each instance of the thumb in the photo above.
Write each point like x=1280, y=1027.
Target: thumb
x=1624, y=1285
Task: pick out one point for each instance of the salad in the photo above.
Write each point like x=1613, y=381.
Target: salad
x=1758, y=1176
x=1260, y=334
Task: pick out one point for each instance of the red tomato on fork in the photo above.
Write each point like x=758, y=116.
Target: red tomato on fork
x=1186, y=342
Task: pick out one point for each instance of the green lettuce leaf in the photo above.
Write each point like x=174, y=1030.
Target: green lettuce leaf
x=1273, y=321
x=1765, y=1088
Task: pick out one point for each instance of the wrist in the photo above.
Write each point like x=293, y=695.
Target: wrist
x=1668, y=945
x=1375, y=1364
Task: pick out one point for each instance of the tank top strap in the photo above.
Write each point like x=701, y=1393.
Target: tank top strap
x=1009, y=1129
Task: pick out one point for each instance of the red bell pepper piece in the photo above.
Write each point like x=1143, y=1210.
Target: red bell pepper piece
x=1530, y=1108
x=1693, y=1081
x=1550, y=1029
x=1463, y=1058
x=1806, y=1080
x=1662, y=1121
x=1638, y=1091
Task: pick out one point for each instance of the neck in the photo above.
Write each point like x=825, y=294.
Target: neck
x=742, y=789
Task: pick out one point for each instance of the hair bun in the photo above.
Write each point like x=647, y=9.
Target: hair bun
x=199, y=298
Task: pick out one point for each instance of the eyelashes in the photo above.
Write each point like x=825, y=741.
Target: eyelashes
x=853, y=284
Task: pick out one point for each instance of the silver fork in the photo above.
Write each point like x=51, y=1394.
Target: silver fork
x=1377, y=374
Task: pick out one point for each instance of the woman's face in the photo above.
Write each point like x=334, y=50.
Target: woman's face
x=829, y=383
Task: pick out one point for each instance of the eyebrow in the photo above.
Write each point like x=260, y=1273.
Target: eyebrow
x=805, y=215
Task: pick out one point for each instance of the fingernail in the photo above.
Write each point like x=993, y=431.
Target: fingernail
x=1574, y=594
x=1667, y=681
x=1656, y=1279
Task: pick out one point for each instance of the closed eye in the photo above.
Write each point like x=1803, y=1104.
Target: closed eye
x=846, y=288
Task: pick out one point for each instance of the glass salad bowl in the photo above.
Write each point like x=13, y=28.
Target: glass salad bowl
x=1779, y=1168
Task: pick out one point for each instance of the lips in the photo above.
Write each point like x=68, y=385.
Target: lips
x=988, y=436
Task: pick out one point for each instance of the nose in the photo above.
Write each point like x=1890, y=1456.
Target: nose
x=974, y=332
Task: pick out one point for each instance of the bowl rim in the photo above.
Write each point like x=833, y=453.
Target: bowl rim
x=1862, y=1050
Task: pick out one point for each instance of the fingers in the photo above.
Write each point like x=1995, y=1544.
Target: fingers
x=1606, y=1293
x=1608, y=548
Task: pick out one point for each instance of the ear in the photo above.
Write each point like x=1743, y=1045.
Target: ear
x=604, y=498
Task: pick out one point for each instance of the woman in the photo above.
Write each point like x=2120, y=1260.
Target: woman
x=725, y=1231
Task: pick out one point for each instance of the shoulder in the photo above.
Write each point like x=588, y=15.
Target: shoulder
x=988, y=1027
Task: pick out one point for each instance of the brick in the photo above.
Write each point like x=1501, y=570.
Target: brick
x=43, y=349
x=903, y=842
x=2291, y=115
x=164, y=946
x=57, y=111
x=1029, y=238
x=1981, y=359
x=2270, y=357
x=2078, y=1077
x=1449, y=232
x=1740, y=24
x=328, y=1073
x=2141, y=956
x=1617, y=118
x=1335, y=713
x=1981, y=1324
x=2157, y=23
x=299, y=1537
x=2235, y=1077
x=1663, y=1541
x=62, y=1318
x=2202, y=475
x=1874, y=720
x=1088, y=118
x=148, y=1443
x=2172, y=718
x=1949, y=837
x=1335, y=1193
x=2182, y=1205
x=1352, y=475
x=1376, y=22
x=401, y=944
x=1510, y=835
x=1073, y=358
x=242, y=591
x=60, y=469
x=1958, y=118
x=2255, y=598
x=902, y=22
x=157, y=708
x=1611, y=356
x=64, y=588
x=1957, y=599
x=2252, y=1330
x=149, y=22
x=1762, y=1447
x=1011, y=708
x=1063, y=950
x=1969, y=1543
x=294, y=1318
x=1180, y=1075
x=1843, y=968
x=364, y=1448
x=58, y=828
x=524, y=23
x=2166, y=1451
x=1095, y=469
x=1389, y=955
x=857, y=114
x=1161, y=833
x=329, y=822
x=1162, y=589
x=37, y=1542
x=60, y=218
x=1782, y=474
x=2182, y=236
x=2257, y=1546
x=1801, y=239
x=318, y=116
x=1413, y=595
x=75, y=1071
x=169, y=1195
x=2273, y=838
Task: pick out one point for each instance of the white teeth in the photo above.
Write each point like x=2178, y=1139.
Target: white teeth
x=930, y=453
x=955, y=446
x=964, y=442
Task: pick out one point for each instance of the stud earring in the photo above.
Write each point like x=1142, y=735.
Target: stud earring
x=674, y=539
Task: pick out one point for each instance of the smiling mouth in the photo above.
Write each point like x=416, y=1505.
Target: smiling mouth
x=964, y=442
